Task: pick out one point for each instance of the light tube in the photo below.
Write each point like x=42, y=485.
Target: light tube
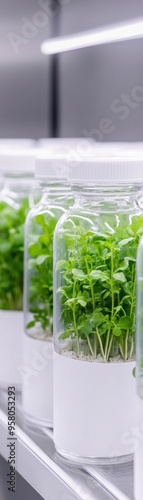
x=100, y=36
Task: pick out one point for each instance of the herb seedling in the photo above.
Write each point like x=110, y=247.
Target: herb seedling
x=98, y=290
x=11, y=255
x=41, y=274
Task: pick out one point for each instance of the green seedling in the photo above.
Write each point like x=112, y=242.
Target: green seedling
x=41, y=274
x=11, y=255
x=98, y=289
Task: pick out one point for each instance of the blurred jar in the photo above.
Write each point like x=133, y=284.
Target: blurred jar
x=51, y=172
x=15, y=199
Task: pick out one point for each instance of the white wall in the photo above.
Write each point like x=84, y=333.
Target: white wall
x=91, y=79
x=24, y=76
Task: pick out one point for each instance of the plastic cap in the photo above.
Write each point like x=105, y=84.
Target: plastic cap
x=17, y=161
x=17, y=143
x=68, y=148
x=51, y=166
x=106, y=169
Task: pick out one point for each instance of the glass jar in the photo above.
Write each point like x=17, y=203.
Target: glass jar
x=15, y=198
x=38, y=341
x=95, y=247
x=138, y=465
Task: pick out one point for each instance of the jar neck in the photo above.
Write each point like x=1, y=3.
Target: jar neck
x=51, y=189
x=16, y=188
x=122, y=195
x=18, y=182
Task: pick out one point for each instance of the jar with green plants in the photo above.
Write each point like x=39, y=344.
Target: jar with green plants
x=15, y=200
x=51, y=173
x=138, y=461
x=95, y=249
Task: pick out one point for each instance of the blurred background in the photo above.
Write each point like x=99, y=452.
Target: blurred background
x=69, y=95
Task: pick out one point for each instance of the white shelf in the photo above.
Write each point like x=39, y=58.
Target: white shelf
x=39, y=465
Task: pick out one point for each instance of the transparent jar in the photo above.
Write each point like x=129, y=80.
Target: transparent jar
x=38, y=341
x=15, y=198
x=95, y=247
x=138, y=465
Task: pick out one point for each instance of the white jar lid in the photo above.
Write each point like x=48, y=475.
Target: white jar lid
x=108, y=168
x=51, y=165
x=16, y=143
x=17, y=161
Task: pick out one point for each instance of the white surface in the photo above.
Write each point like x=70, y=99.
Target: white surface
x=94, y=408
x=37, y=381
x=11, y=328
x=138, y=466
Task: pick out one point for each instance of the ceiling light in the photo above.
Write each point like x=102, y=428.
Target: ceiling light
x=110, y=34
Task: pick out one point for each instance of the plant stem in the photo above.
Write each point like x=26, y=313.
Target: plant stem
x=110, y=345
x=90, y=346
x=112, y=283
x=126, y=345
x=131, y=312
x=107, y=342
x=74, y=319
x=132, y=347
x=95, y=345
x=122, y=352
x=76, y=331
x=101, y=345
x=91, y=286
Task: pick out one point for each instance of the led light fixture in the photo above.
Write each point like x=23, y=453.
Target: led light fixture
x=114, y=33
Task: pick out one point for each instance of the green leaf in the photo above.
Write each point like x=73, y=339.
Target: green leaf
x=134, y=372
x=79, y=274
x=99, y=236
x=98, y=275
x=87, y=327
x=117, y=331
x=65, y=335
x=118, y=309
x=71, y=301
x=125, y=241
x=99, y=318
x=82, y=302
x=40, y=259
x=34, y=250
x=125, y=264
x=62, y=264
x=103, y=329
x=106, y=295
x=119, y=277
x=125, y=323
x=31, y=324
x=137, y=224
x=40, y=219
